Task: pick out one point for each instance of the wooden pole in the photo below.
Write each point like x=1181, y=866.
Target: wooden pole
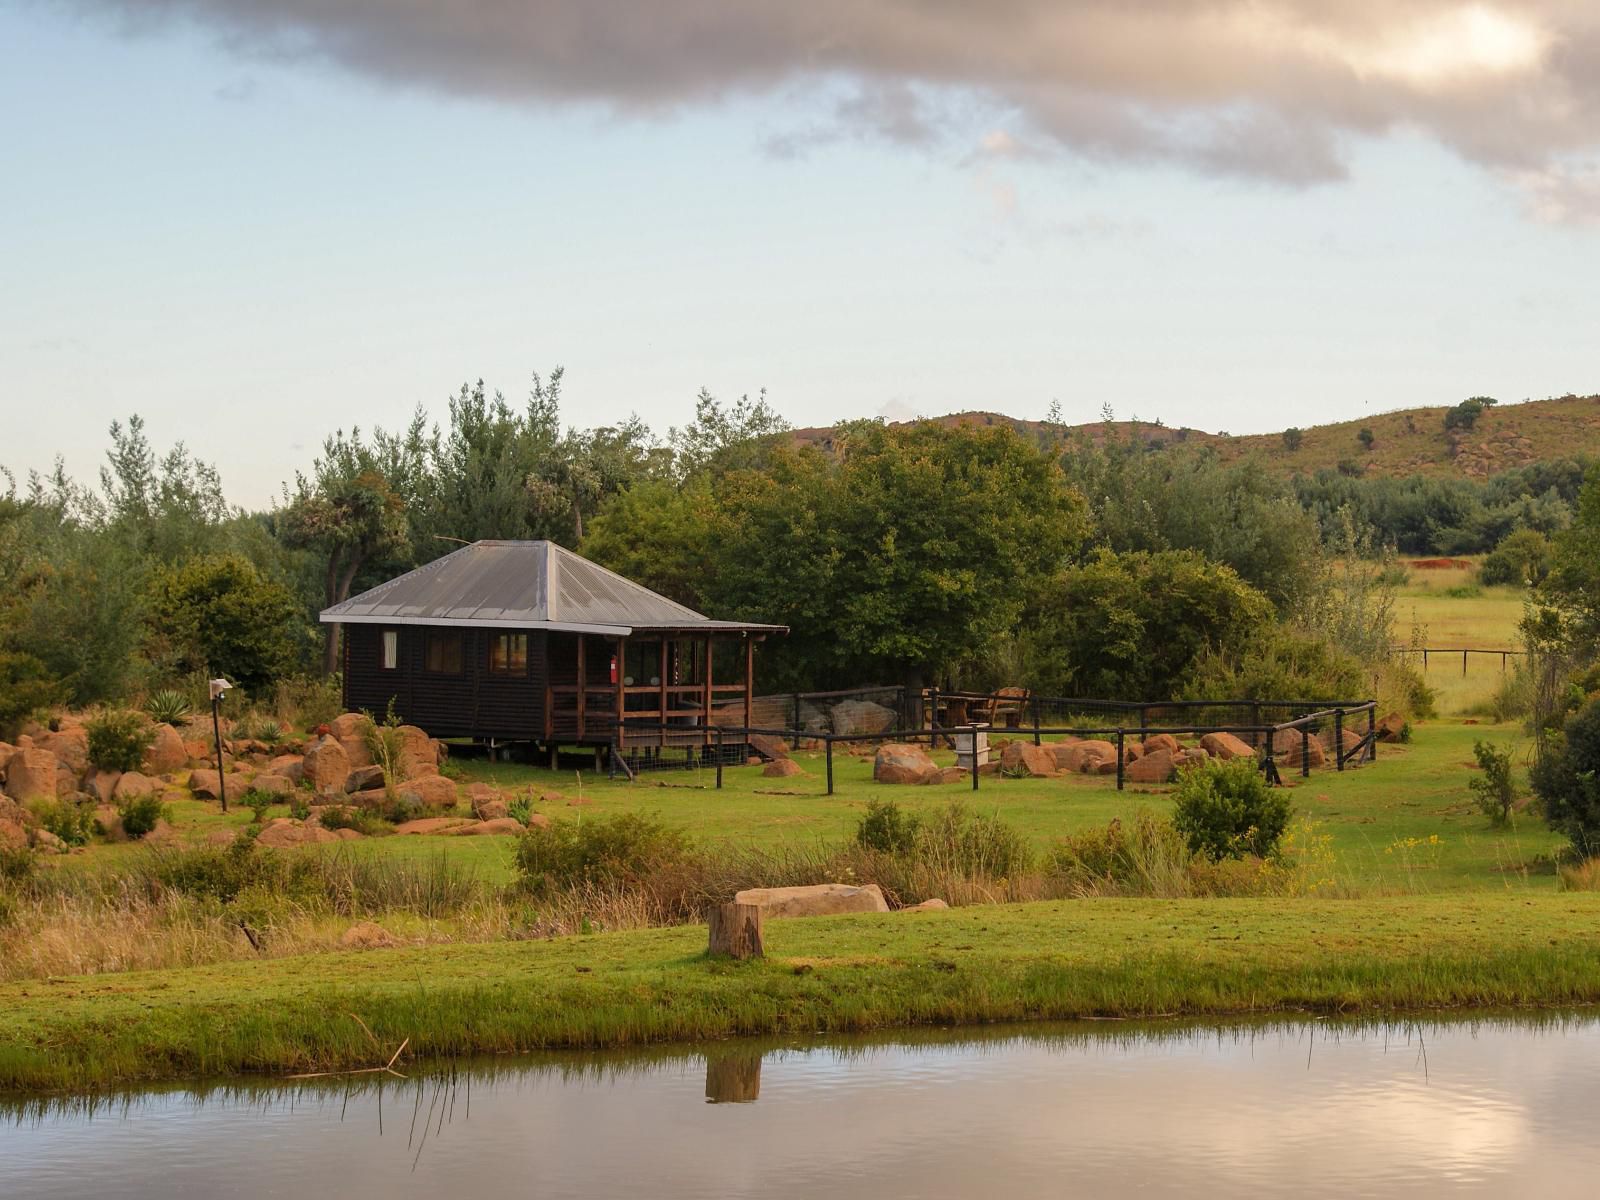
x=583, y=686
x=749, y=677
x=735, y=930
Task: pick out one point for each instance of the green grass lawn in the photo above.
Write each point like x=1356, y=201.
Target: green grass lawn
x=1478, y=618
x=1055, y=960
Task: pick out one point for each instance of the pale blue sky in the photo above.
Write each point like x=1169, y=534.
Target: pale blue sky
x=252, y=252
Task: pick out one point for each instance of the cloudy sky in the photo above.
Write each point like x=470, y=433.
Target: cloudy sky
x=253, y=221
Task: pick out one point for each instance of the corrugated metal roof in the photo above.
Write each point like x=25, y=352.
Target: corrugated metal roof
x=527, y=585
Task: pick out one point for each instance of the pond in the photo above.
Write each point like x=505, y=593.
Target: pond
x=1489, y=1106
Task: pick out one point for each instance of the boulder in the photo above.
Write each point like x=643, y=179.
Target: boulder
x=419, y=754
x=204, y=783
x=932, y=904
x=1024, y=758
x=951, y=775
x=1106, y=766
x=1391, y=728
x=290, y=766
x=198, y=750
x=102, y=785
x=350, y=731
x=781, y=768
x=1226, y=746
x=1352, y=739
x=31, y=775
x=133, y=786
x=43, y=839
x=283, y=832
x=862, y=716
x=503, y=826
x=12, y=835
x=815, y=900
x=366, y=935
x=109, y=821
x=431, y=825
x=372, y=799
x=273, y=784
x=361, y=778
x=1288, y=747
x=1161, y=741
x=1155, y=767
x=897, y=762
x=167, y=751
x=1085, y=757
x=70, y=746
x=326, y=766
x=491, y=810
x=768, y=747
x=433, y=792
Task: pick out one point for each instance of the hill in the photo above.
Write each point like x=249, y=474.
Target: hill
x=1412, y=441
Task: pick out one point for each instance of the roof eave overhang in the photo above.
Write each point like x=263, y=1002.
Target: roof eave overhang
x=329, y=617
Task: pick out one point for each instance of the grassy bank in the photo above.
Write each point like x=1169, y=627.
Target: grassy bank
x=1107, y=958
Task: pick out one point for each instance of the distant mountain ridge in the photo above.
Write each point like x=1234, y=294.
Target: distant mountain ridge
x=1412, y=441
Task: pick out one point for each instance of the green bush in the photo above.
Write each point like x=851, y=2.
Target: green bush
x=69, y=821
x=887, y=829
x=220, y=614
x=1495, y=790
x=1567, y=780
x=1143, y=859
x=118, y=740
x=258, y=802
x=607, y=850
x=1522, y=559
x=139, y=816
x=519, y=809
x=26, y=689
x=1465, y=415
x=17, y=867
x=342, y=816
x=1226, y=810
x=961, y=842
x=1292, y=437
x=168, y=706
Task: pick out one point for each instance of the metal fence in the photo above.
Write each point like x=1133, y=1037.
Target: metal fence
x=1302, y=721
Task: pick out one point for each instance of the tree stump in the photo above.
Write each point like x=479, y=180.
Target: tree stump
x=735, y=930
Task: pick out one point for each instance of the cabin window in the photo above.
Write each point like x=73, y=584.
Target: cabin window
x=443, y=653
x=391, y=649
x=508, y=654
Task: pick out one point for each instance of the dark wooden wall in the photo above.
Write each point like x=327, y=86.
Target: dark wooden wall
x=471, y=704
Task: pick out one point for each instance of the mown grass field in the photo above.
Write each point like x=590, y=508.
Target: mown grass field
x=1058, y=960
x=1448, y=609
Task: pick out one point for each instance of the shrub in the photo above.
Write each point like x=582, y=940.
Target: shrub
x=1465, y=415
x=887, y=829
x=607, y=850
x=258, y=802
x=17, y=867
x=1226, y=810
x=308, y=701
x=1567, y=781
x=519, y=809
x=1145, y=859
x=72, y=823
x=26, y=688
x=961, y=842
x=349, y=816
x=386, y=743
x=1366, y=437
x=168, y=706
x=267, y=731
x=1522, y=559
x=1292, y=437
x=139, y=816
x=118, y=740
x=219, y=613
x=1495, y=789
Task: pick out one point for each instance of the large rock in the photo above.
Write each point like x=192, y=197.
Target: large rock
x=366, y=935
x=290, y=766
x=816, y=900
x=1289, y=747
x=897, y=762
x=1024, y=758
x=1391, y=728
x=487, y=803
x=167, y=752
x=13, y=836
x=31, y=775
x=433, y=792
x=1352, y=739
x=862, y=716
x=1086, y=757
x=503, y=826
x=326, y=766
x=782, y=768
x=273, y=784
x=768, y=747
x=362, y=778
x=932, y=904
x=1156, y=767
x=133, y=786
x=70, y=746
x=102, y=785
x=205, y=783
x=1161, y=741
x=424, y=825
x=1226, y=746
x=108, y=818
x=283, y=832
x=419, y=754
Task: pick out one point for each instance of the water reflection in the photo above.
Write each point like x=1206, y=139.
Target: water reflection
x=1487, y=1107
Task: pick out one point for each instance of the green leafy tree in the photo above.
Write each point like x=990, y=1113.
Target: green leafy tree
x=1522, y=559
x=1465, y=415
x=1292, y=438
x=1566, y=780
x=724, y=438
x=221, y=616
x=1367, y=438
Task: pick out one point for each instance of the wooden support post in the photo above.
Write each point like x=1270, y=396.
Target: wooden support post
x=1036, y=720
x=827, y=742
x=622, y=690
x=664, y=681
x=1372, y=733
x=583, y=686
x=1338, y=737
x=1122, y=757
x=974, y=760
x=705, y=704
x=1464, y=664
x=749, y=677
x=1305, y=752
x=735, y=930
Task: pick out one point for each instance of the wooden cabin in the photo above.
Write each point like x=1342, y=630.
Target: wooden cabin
x=529, y=642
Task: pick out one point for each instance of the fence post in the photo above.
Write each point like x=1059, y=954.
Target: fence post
x=1035, y=721
x=827, y=741
x=1144, y=722
x=1338, y=738
x=796, y=725
x=1464, y=664
x=1372, y=732
x=1255, y=719
x=1305, y=752
x=718, y=736
x=1120, y=758
x=974, y=757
